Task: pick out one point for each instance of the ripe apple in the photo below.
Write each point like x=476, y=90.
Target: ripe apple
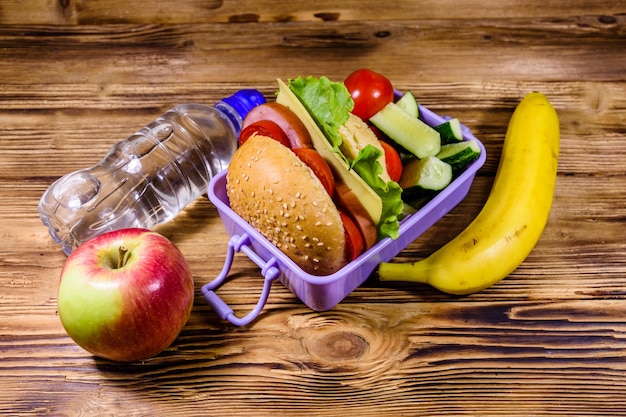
x=125, y=295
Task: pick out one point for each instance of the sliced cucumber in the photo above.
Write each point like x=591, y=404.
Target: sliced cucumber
x=459, y=155
x=450, y=131
x=430, y=173
x=409, y=132
x=408, y=103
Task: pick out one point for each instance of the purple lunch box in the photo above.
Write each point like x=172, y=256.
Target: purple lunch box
x=324, y=292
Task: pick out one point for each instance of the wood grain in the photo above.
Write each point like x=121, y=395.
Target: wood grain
x=76, y=76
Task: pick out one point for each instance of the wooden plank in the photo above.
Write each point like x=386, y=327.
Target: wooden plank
x=441, y=51
x=56, y=120
x=486, y=358
x=68, y=12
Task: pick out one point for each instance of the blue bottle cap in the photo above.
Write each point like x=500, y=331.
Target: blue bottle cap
x=245, y=100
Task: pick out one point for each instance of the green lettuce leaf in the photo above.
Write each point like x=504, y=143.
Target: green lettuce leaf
x=328, y=102
x=367, y=166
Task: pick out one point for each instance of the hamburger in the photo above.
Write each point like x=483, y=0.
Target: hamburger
x=324, y=196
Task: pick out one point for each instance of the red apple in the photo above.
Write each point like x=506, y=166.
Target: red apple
x=125, y=295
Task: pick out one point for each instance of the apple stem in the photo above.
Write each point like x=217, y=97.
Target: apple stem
x=123, y=257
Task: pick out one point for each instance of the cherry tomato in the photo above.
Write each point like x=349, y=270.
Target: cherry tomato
x=393, y=161
x=370, y=91
x=319, y=166
x=354, y=240
x=265, y=128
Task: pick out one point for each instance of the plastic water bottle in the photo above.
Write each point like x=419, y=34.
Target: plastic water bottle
x=150, y=177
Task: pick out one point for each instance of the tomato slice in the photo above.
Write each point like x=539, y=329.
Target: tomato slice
x=354, y=240
x=265, y=128
x=284, y=117
x=370, y=91
x=319, y=166
x=379, y=133
x=393, y=161
x=347, y=201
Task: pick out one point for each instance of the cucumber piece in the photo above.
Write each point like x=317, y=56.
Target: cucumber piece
x=408, y=103
x=459, y=155
x=430, y=173
x=450, y=131
x=409, y=132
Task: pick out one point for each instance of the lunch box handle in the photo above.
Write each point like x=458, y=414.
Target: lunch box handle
x=269, y=270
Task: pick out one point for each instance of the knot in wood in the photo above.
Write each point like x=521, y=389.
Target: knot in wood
x=340, y=346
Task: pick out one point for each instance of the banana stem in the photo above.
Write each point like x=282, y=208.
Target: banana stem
x=407, y=272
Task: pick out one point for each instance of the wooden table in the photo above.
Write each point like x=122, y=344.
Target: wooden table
x=77, y=76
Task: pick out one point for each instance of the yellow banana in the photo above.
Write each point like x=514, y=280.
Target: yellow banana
x=516, y=211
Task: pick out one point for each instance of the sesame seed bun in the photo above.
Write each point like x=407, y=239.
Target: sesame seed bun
x=277, y=194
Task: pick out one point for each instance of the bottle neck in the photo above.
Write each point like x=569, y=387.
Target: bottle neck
x=231, y=114
x=236, y=106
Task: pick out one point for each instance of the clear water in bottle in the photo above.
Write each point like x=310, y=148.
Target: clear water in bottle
x=150, y=177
